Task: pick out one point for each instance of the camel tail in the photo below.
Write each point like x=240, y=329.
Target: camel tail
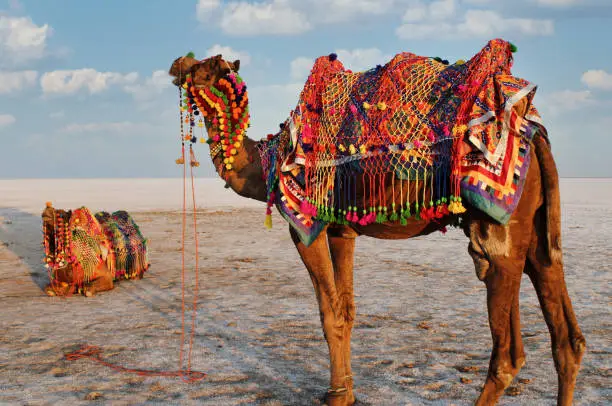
x=552, y=200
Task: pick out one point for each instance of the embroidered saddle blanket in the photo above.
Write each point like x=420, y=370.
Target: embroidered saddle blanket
x=453, y=126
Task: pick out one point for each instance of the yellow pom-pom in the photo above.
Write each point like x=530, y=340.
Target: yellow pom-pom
x=233, y=151
x=184, y=85
x=460, y=130
x=200, y=124
x=202, y=140
x=362, y=149
x=237, y=144
x=232, y=159
x=352, y=149
x=382, y=106
x=226, y=160
x=342, y=148
x=241, y=137
x=457, y=208
x=180, y=161
x=366, y=105
x=228, y=167
x=268, y=221
x=460, y=62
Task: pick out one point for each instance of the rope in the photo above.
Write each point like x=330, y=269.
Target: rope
x=94, y=353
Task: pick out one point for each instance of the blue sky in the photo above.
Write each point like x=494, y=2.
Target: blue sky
x=84, y=90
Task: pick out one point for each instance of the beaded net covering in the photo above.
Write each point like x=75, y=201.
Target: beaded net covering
x=450, y=127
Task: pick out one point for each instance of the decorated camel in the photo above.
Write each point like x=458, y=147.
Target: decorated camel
x=87, y=253
x=399, y=151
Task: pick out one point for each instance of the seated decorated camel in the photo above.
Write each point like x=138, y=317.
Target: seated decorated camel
x=87, y=253
x=399, y=151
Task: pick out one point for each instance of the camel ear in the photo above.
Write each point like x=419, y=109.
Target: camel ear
x=236, y=64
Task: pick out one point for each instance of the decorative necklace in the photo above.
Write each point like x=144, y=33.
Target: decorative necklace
x=225, y=105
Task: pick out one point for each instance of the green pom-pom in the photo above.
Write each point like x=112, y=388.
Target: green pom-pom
x=190, y=54
x=404, y=221
x=394, y=216
x=513, y=48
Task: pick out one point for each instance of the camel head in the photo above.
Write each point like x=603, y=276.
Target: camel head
x=204, y=73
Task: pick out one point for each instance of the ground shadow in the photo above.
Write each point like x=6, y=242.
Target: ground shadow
x=21, y=233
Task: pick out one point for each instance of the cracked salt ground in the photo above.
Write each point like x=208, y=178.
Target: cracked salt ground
x=421, y=333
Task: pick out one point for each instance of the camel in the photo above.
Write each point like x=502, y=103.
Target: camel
x=101, y=255
x=530, y=242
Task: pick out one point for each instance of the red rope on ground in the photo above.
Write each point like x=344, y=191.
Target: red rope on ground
x=94, y=353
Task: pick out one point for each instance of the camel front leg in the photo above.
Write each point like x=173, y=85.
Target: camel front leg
x=342, y=248
x=103, y=281
x=317, y=260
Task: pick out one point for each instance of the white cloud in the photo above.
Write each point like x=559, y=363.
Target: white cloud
x=475, y=23
x=149, y=92
x=21, y=40
x=14, y=81
x=597, y=79
x=270, y=17
x=122, y=127
x=6, y=120
x=566, y=100
x=362, y=58
x=205, y=8
x=71, y=81
x=300, y=68
x=357, y=60
x=57, y=114
x=333, y=11
x=442, y=9
x=286, y=17
x=229, y=54
x=558, y=3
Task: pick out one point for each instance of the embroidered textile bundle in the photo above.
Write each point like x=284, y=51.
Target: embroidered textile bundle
x=415, y=118
x=84, y=241
x=128, y=245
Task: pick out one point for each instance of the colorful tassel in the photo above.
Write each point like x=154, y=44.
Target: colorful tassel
x=268, y=221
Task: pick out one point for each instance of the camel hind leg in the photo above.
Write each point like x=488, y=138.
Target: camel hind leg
x=499, y=253
x=499, y=262
x=568, y=343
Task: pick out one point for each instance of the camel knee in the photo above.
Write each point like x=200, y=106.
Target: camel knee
x=347, y=308
x=502, y=372
x=567, y=355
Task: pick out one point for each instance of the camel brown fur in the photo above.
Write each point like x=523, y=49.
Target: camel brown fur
x=63, y=283
x=530, y=243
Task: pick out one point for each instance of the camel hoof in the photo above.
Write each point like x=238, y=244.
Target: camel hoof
x=50, y=292
x=337, y=397
x=88, y=293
